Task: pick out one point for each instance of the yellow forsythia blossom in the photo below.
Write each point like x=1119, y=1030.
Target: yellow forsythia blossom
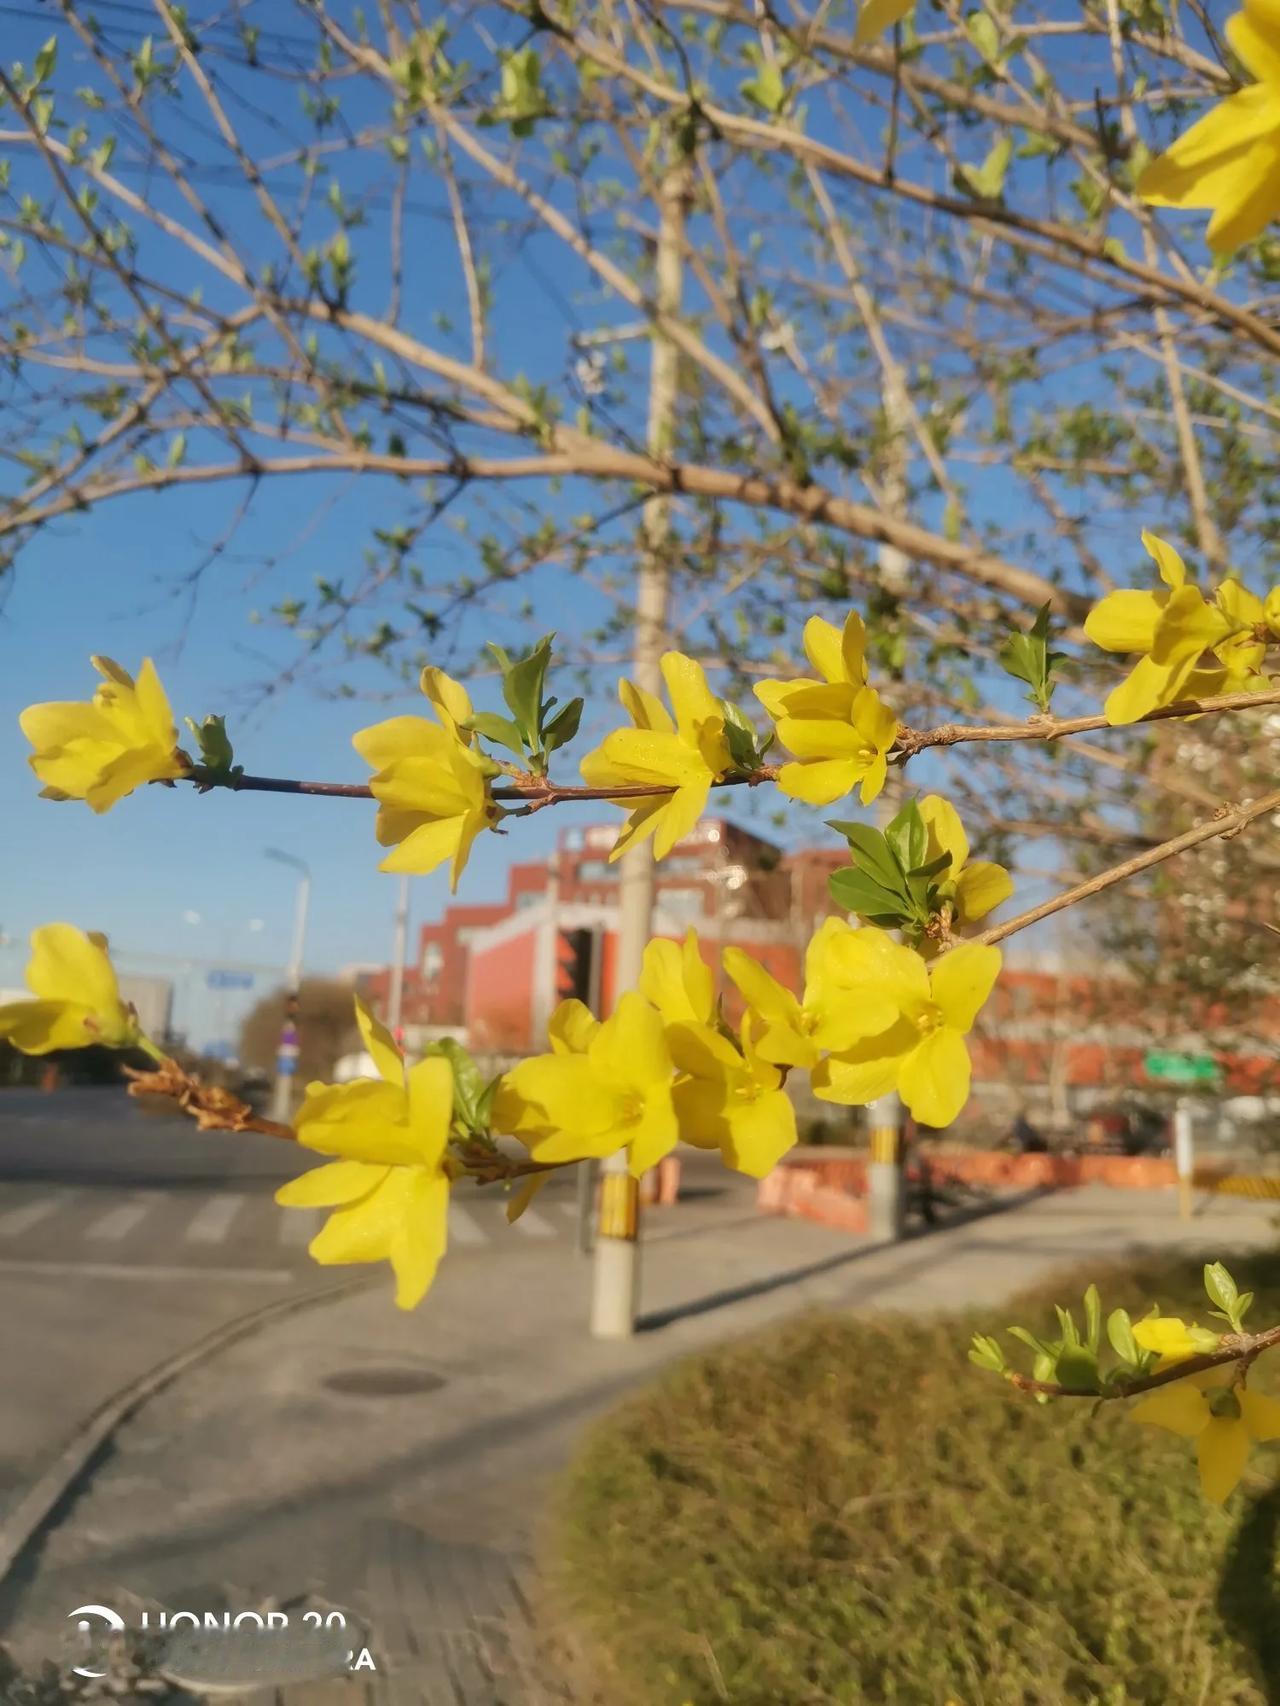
x=389, y=1192
x=923, y=1054
x=979, y=886
x=731, y=1098
x=1223, y=1420
x=843, y=999
x=838, y=728
x=615, y=1093
x=678, y=981
x=101, y=751
x=1230, y=159
x=877, y=16
x=1173, y=1339
x=1173, y=630
x=684, y=754
x=432, y=783
x=77, y=999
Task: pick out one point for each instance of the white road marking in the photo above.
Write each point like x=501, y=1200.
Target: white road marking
x=15, y=1221
x=118, y=1223
x=533, y=1225
x=120, y=1270
x=210, y=1224
x=464, y=1228
x=298, y=1226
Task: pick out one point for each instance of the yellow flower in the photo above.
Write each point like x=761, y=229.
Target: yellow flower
x=678, y=981
x=841, y=1004
x=77, y=999
x=612, y=1094
x=923, y=1054
x=1230, y=159
x=838, y=655
x=838, y=728
x=102, y=751
x=432, y=783
x=1223, y=1420
x=685, y=755
x=390, y=1191
x=1172, y=1338
x=732, y=1098
x=980, y=886
x=877, y=16
x=1173, y=630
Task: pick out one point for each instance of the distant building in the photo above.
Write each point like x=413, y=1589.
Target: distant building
x=490, y=967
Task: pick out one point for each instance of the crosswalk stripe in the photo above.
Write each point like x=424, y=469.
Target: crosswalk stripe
x=464, y=1228
x=15, y=1221
x=298, y=1226
x=533, y=1225
x=119, y=1222
x=210, y=1224
x=568, y=1208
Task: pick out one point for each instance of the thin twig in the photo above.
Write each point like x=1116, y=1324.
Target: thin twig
x=1235, y=1347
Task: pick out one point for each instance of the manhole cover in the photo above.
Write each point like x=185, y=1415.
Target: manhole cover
x=382, y=1382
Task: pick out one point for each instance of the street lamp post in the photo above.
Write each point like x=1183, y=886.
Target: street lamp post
x=287, y=1053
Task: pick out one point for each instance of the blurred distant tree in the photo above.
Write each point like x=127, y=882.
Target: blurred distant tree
x=326, y=1029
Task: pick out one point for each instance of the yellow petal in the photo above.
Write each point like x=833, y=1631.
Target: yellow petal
x=824, y=648
x=877, y=16
x=427, y=848
x=630, y=1048
x=1222, y=1451
x=1181, y=1408
x=819, y=783
x=1125, y=621
x=1253, y=199
x=1261, y=1414
x=1187, y=626
x=1146, y=686
x=362, y=1231
x=677, y=980
x=399, y=737
x=760, y=989
x=1173, y=571
x=450, y=699
x=153, y=706
x=760, y=1132
x=1203, y=167
x=430, y=1108
x=868, y=1069
x=338, y=1182
x=1167, y=1335
x=421, y=1235
x=654, y=1133
x=645, y=709
x=571, y=1027
x=66, y=966
x=982, y=887
x=962, y=980
x=692, y=700
x=944, y=831
x=933, y=1080
x=517, y=1204
x=381, y=1045
x=1254, y=35
x=38, y=1027
x=364, y=1120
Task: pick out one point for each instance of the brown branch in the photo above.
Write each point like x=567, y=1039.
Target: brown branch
x=212, y=1109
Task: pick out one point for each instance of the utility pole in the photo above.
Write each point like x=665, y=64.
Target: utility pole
x=395, y=997
x=886, y=1183
x=288, y=1050
x=617, y=1254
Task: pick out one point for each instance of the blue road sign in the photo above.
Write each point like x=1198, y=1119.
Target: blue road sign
x=229, y=980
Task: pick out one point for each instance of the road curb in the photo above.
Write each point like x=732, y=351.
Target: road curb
x=32, y=1511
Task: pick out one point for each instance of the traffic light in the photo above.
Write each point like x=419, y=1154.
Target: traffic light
x=575, y=951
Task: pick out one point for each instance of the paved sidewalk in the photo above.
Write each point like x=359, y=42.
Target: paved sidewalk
x=399, y=1464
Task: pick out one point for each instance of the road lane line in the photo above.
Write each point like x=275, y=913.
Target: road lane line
x=118, y=1223
x=533, y=1225
x=464, y=1228
x=298, y=1226
x=122, y=1270
x=15, y=1221
x=210, y=1224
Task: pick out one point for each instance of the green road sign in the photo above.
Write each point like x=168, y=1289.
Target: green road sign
x=1182, y=1068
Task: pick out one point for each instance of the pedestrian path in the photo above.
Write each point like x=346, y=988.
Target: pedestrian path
x=70, y=1224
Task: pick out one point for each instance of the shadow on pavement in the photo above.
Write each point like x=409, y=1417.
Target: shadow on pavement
x=1248, y=1599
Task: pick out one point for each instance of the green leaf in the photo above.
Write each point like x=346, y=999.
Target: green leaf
x=522, y=688
x=1070, y=1335
x=1028, y=1338
x=854, y=891
x=1092, y=1319
x=766, y=89
x=177, y=450
x=873, y=855
x=563, y=726
x=1223, y=1291
x=497, y=728
x=987, y=180
x=1120, y=1334
x=46, y=59
x=1077, y=1369
x=984, y=35
x=215, y=746
x=469, y=1088
x=984, y=1352
x=1027, y=657
x=908, y=838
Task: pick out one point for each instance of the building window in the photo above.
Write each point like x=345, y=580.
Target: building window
x=432, y=960
x=595, y=871
x=529, y=897
x=682, y=903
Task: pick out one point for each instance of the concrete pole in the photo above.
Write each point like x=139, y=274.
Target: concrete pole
x=395, y=997
x=886, y=1183
x=287, y=1053
x=1184, y=1155
x=617, y=1253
